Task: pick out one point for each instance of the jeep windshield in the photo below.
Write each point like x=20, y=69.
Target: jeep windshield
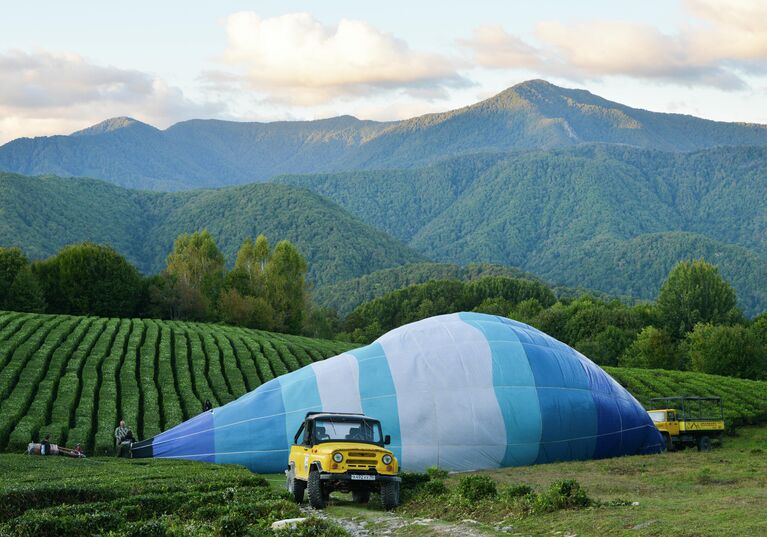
x=333, y=429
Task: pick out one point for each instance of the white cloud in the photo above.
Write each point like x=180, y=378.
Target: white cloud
x=723, y=40
x=44, y=92
x=294, y=58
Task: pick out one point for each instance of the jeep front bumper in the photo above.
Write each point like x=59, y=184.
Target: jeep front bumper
x=359, y=477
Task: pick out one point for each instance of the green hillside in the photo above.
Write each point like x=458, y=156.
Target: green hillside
x=613, y=218
x=42, y=214
x=209, y=153
x=75, y=377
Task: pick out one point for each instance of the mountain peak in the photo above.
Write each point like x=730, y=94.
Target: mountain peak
x=112, y=124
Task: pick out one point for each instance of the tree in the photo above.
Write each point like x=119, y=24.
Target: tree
x=606, y=346
x=286, y=286
x=12, y=260
x=653, y=348
x=197, y=265
x=251, y=264
x=250, y=311
x=694, y=292
x=727, y=350
x=90, y=279
x=25, y=293
x=195, y=259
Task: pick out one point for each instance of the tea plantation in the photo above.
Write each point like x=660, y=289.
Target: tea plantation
x=75, y=377
x=118, y=497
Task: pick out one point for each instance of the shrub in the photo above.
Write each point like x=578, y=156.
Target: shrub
x=517, y=491
x=477, y=487
x=411, y=480
x=435, y=472
x=435, y=487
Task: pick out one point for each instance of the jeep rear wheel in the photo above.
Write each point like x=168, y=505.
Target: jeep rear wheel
x=361, y=496
x=317, y=497
x=295, y=486
x=390, y=494
x=704, y=444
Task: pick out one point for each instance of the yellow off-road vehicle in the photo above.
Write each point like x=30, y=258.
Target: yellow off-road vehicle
x=688, y=421
x=345, y=453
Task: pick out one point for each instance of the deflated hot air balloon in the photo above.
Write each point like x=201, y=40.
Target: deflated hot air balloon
x=464, y=391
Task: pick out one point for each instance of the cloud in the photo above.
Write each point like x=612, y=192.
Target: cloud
x=43, y=92
x=723, y=40
x=294, y=58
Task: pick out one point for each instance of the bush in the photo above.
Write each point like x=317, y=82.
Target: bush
x=435, y=487
x=566, y=494
x=517, y=491
x=411, y=480
x=477, y=487
x=435, y=472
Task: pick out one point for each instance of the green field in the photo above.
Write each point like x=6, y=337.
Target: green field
x=76, y=376
x=42, y=496
x=685, y=494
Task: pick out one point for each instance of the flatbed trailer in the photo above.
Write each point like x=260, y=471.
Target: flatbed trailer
x=688, y=421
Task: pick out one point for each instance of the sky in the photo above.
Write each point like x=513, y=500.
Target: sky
x=67, y=65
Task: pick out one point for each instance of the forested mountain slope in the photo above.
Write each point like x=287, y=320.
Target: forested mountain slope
x=610, y=217
x=208, y=153
x=42, y=214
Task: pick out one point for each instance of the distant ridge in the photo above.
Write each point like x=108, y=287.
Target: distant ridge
x=211, y=153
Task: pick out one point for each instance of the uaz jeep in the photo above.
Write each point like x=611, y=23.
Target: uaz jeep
x=345, y=453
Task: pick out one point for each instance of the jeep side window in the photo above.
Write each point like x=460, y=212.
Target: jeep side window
x=307, y=440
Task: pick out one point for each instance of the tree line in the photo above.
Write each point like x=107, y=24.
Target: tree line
x=694, y=323
x=265, y=289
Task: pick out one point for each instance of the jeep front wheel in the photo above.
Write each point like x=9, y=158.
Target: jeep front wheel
x=316, y=495
x=390, y=494
x=295, y=486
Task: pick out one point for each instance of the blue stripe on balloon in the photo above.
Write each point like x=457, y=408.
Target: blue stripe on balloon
x=515, y=390
x=192, y=439
x=570, y=425
x=377, y=392
x=300, y=395
x=253, y=439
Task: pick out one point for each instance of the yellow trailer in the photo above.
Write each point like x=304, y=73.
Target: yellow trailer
x=688, y=421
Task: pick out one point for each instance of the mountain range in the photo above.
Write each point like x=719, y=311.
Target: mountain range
x=560, y=183
x=212, y=153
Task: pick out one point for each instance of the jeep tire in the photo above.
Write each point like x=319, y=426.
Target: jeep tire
x=704, y=443
x=295, y=486
x=390, y=494
x=317, y=497
x=361, y=496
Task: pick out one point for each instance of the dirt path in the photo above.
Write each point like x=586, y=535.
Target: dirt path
x=361, y=522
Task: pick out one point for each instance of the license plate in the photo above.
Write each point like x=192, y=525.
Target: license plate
x=357, y=477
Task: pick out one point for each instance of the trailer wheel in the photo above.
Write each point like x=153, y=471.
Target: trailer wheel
x=704, y=443
x=316, y=494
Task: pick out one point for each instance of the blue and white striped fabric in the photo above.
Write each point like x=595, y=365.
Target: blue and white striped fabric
x=463, y=391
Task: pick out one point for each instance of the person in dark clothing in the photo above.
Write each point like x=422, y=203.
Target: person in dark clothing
x=207, y=405
x=45, y=445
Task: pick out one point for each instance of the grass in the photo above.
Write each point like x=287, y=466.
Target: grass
x=687, y=493
x=118, y=497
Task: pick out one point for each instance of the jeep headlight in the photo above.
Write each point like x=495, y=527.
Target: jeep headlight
x=337, y=457
x=386, y=459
